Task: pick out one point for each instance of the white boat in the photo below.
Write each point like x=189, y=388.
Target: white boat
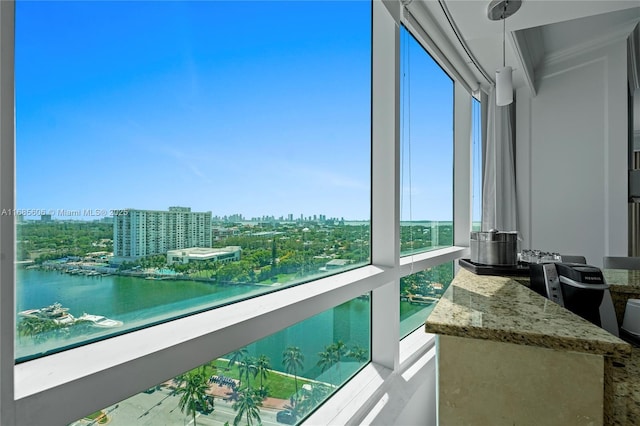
x=99, y=320
x=54, y=312
x=418, y=299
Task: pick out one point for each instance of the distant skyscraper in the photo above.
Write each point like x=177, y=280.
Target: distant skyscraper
x=148, y=232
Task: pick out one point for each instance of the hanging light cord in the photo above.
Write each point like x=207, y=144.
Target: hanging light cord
x=406, y=145
x=504, y=29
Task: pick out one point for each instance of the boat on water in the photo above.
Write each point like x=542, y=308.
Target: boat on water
x=60, y=315
x=418, y=299
x=99, y=321
x=54, y=312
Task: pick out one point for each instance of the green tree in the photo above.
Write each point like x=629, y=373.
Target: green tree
x=247, y=368
x=237, y=356
x=340, y=351
x=263, y=365
x=39, y=329
x=247, y=405
x=332, y=355
x=313, y=398
x=193, y=393
x=293, y=360
x=358, y=353
x=261, y=257
x=235, y=272
x=326, y=359
x=208, y=368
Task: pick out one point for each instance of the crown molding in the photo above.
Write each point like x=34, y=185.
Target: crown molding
x=524, y=55
x=622, y=33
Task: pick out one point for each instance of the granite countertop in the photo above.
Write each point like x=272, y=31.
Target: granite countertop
x=623, y=396
x=502, y=309
x=622, y=280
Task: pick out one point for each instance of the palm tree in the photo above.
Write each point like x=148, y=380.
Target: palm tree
x=193, y=394
x=232, y=396
x=247, y=368
x=358, y=353
x=339, y=350
x=247, y=405
x=237, y=356
x=293, y=360
x=37, y=328
x=327, y=358
x=263, y=364
x=208, y=369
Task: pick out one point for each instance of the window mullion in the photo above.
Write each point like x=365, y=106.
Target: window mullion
x=462, y=166
x=7, y=226
x=385, y=220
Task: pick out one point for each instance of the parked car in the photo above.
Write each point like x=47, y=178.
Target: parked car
x=286, y=416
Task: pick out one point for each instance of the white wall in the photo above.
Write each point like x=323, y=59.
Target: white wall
x=571, y=156
x=409, y=400
x=405, y=398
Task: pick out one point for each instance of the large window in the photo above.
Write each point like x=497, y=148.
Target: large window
x=279, y=379
x=426, y=203
x=176, y=156
x=194, y=179
x=426, y=150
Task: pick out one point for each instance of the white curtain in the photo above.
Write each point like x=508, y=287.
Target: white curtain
x=499, y=180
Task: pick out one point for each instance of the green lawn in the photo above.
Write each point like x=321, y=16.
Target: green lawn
x=281, y=278
x=96, y=415
x=279, y=385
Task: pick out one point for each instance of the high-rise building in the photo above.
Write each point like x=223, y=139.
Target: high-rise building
x=147, y=232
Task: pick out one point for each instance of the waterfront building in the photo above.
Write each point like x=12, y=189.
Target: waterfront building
x=198, y=254
x=147, y=232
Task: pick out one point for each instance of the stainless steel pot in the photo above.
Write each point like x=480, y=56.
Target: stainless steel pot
x=494, y=248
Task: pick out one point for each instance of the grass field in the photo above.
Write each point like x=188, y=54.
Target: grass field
x=279, y=385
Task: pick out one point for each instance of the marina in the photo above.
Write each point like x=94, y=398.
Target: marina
x=61, y=316
x=136, y=302
x=100, y=321
x=55, y=313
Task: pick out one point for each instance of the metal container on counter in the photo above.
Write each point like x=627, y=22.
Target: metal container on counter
x=494, y=247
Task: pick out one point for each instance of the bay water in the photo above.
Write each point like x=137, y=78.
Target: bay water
x=139, y=302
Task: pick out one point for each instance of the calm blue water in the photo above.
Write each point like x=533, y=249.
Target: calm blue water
x=138, y=302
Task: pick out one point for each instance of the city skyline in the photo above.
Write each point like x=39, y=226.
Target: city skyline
x=83, y=216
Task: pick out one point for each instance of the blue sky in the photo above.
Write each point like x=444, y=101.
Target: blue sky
x=257, y=108
x=426, y=134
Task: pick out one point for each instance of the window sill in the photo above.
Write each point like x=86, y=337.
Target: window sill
x=376, y=393
x=420, y=261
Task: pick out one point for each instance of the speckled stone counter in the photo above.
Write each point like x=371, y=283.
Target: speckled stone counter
x=624, y=285
x=502, y=309
x=490, y=316
x=623, y=280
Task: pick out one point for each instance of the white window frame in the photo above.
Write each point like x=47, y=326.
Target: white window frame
x=63, y=387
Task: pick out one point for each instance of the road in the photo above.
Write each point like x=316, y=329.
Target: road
x=161, y=408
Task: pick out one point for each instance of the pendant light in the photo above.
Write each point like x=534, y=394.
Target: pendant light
x=501, y=10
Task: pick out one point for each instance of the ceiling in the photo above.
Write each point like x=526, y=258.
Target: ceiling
x=541, y=31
